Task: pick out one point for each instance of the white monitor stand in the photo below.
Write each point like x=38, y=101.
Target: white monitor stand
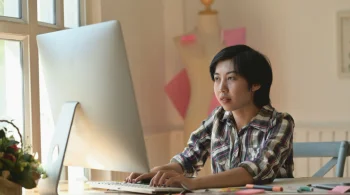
x=53, y=167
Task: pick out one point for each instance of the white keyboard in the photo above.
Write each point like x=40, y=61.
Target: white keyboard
x=132, y=187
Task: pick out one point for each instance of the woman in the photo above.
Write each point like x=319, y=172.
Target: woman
x=247, y=139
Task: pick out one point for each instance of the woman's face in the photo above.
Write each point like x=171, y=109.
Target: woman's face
x=231, y=89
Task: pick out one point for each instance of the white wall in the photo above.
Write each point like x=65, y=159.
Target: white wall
x=300, y=39
x=143, y=29
x=298, y=36
x=173, y=26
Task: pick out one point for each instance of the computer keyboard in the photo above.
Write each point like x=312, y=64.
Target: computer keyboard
x=132, y=187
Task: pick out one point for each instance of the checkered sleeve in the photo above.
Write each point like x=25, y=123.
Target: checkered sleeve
x=276, y=149
x=195, y=154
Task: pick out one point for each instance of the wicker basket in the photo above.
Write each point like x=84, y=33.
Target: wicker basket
x=9, y=188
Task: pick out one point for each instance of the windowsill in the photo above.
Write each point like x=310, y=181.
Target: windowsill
x=11, y=19
x=44, y=24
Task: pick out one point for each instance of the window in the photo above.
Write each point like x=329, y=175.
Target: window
x=19, y=75
x=10, y=8
x=71, y=13
x=11, y=82
x=47, y=11
x=20, y=98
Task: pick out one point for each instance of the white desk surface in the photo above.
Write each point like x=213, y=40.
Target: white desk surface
x=290, y=186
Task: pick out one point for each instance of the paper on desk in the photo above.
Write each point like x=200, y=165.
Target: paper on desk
x=341, y=189
x=250, y=191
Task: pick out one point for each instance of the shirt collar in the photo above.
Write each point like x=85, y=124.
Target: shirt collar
x=261, y=121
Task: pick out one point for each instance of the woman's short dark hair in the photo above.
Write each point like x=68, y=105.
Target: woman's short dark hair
x=251, y=65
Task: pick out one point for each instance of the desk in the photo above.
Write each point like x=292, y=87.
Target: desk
x=290, y=186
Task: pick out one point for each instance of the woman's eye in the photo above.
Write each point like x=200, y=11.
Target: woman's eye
x=230, y=78
x=216, y=78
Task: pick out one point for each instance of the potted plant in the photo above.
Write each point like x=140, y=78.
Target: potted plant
x=18, y=167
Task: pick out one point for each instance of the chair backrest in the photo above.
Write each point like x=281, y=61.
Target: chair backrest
x=337, y=150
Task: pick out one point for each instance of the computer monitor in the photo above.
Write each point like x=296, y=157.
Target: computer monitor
x=89, y=65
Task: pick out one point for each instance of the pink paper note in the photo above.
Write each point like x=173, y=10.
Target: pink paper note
x=234, y=36
x=178, y=90
x=250, y=191
x=188, y=38
x=341, y=189
x=213, y=104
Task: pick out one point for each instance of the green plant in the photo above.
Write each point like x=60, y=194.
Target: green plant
x=17, y=164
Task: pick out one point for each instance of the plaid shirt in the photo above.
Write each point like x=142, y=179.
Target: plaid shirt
x=264, y=147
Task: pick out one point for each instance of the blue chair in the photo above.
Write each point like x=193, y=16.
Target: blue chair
x=337, y=150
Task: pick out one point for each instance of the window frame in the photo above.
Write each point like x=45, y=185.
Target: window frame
x=82, y=12
x=25, y=79
x=25, y=30
x=58, y=13
x=23, y=10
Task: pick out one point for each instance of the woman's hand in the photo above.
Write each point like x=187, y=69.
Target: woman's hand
x=168, y=178
x=172, y=178
x=171, y=167
x=132, y=177
x=135, y=177
x=182, y=181
x=162, y=176
x=158, y=178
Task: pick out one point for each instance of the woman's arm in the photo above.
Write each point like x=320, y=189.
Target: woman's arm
x=233, y=177
x=136, y=177
x=277, y=147
x=195, y=154
x=171, y=166
x=262, y=169
x=190, y=160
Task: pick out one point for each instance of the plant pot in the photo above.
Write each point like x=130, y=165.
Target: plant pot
x=9, y=188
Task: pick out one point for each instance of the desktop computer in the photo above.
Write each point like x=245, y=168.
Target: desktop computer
x=93, y=104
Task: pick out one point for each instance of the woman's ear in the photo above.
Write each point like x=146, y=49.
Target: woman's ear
x=255, y=87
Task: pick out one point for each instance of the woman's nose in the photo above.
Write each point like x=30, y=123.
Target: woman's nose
x=223, y=87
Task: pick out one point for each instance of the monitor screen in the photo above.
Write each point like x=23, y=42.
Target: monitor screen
x=89, y=65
